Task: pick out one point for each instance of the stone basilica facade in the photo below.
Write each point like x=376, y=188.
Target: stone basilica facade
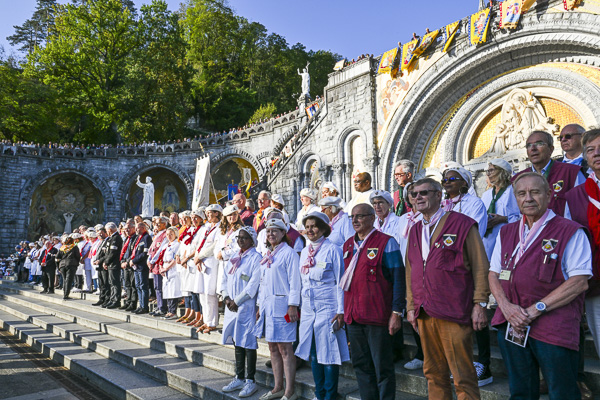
x=467, y=105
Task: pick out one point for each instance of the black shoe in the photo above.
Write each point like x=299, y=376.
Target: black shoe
x=124, y=306
x=106, y=304
x=484, y=375
x=66, y=298
x=268, y=364
x=158, y=313
x=98, y=303
x=44, y=292
x=131, y=307
x=142, y=311
x=112, y=306
x=52, y=292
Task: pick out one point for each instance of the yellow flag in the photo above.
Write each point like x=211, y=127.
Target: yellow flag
x=408, y=53
x=571, y=4
x=387, y=61
x=527, y=5
x=449, y=33
x=510, y=12
x=479, y=26
x=428, y=39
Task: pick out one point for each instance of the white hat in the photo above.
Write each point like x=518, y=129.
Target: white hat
x=318, y=215
x=230, y=210
x=330, y=186
x=330, y=201
x=269, y=210
x=250, y=231
x=383, y=194
x=91, y=234
x=75, y=235
x=276, y=223
x=214, y=207
x=98, y=227
x=466, y=175
x=308, y=193
x=277, y=198
x=502, y=163
x=199, y=212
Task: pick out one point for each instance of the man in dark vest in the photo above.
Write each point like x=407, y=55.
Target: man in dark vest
x=111, y=263
x=570, y=142
x=539, y=273
x=103, y=286
x=130, y=304
x=562, y=177
x=403, y=174
x=447, y=291
x=48, y=264
x=374, y=303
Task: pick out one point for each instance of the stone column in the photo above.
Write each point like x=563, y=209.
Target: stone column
x=338, y=177
x=371, y=165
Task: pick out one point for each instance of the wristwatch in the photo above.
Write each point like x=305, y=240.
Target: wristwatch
x=484, y=305
x=400, y=313
x=540, y=306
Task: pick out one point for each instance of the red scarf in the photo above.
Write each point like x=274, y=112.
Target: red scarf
x=136, y=244
x=45, y=255
x=593, y=215
x=188, y=241
x=161, y=255
x=184, y=233
x=124, y=249
x=205, y=237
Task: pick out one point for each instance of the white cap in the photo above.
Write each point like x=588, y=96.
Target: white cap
x=276, y=223
x=198, y=212
x=250, y=231
x=98, y=227
x=230, y=210
x=502, y=163
x=214, y=207
x=75, y=235
x=466, y=175
x=91, y=234
x=330, y=186
x=383, y=194
x=277, y=198
x=330, y=201
x=308, y=193
x=318, y=215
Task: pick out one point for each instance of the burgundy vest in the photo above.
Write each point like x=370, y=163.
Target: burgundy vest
x=369, y=299
x=562, y=178
x=531, y=280
x=294, y=235
x=442, y=285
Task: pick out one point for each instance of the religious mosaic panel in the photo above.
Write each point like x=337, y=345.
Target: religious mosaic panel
x=170, y=193
x=236, y=171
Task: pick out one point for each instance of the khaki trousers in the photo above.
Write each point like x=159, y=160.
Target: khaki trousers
x=448, y=348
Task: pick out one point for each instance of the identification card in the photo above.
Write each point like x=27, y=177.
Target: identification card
x=504, y=275
x=322, y=264
x=518, y=338
x=245, y=278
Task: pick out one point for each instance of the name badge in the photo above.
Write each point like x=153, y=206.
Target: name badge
x=245, y=278
x=113, y=247
x=145, y=250
x=504, y=275
x=322, y=264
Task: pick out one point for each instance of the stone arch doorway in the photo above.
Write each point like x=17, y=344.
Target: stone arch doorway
x=234, y=170
x=170, y=192
x=62, y=203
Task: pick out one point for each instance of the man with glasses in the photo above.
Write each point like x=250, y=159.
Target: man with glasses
x=374, y=302
x=446, y=281
x=562, y=177
x=362, y=185
x=403, y=174
x=570, y=142
x=264, y=202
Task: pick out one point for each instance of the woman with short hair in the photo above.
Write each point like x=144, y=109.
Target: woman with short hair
x=68, y=260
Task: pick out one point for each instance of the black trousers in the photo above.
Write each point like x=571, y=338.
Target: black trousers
x=114, y=281
x=103, y=285
x=130, y=288
x=483, y=346
x=48, y=275
x=245, y=357
x=372, y=360
x=68, y=274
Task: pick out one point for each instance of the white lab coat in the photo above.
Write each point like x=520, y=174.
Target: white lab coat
x=227, y=245
x=242, y=287
x=391, y=226
x=261, y=239
x=187, y=276
x=322, y=299
x=342, y=230
x=36, y=269
x=280, y=287
x=473, y=207
x=170, y=284
x=206, y=281
x=506, y=206
x=302, y=213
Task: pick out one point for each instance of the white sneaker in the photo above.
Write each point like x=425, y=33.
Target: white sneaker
x=249, y=389
x=415, y=363
x=235, y=384
x=76, y=290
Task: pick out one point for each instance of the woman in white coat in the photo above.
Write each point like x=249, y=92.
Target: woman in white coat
x=208, y=266
x=308, y=197
x=227, y=246
x=239, y=289
x=170, y=285
x=278, y=300
x=193, y=310
x=321, y=336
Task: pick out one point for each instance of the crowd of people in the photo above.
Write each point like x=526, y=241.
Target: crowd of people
x=335, y=284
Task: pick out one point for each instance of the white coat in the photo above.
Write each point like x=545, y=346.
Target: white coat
x=473, y=207
x=342, y=230
x=206, y=281
x=303, y=212
x=279, y=288
x=506, y=206
x=322, y=299
x=36, y=268
x=391, y=226
x=227, y=245
x=170, y=283
x=242, y=286
x=187, y=276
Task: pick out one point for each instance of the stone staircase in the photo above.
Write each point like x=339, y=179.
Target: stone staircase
x=133, y=356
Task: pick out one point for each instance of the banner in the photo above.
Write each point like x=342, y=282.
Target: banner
x=312, y=109
x=449, y=33
x=510, y=12
x=201, y=183
x=571, y=4
x=247, y=175
x=526, y=5
x=339, y=65
x=428, y=39
x=387, y=61
x=408, y=53
x=479, y=26
x=232, y=190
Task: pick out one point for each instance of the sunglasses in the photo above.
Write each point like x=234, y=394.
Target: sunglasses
x=423, y=193
x=452, y=179
x=568, y=136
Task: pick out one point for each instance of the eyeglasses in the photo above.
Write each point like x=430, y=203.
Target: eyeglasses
x=568, y=136
x=452, y=179
x=401, y=174
x=536, y=144
x=423, y=193
x=490, y=171
x=360, y=216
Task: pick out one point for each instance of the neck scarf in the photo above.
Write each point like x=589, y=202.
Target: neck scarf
x=312, y=252
x=268, y=258
x=136, y=244
x=188, y=241
x=124, y=249
x=66, y=248
x=237, y=261
x=593, y=215
x=411, y=220
x=45, y=255
x=335, y=219
x=492, y=207
x=184, y=233
x=208, y=232
x=448, y=204
x=427, y=231
x=349, y=273
x=525, y=241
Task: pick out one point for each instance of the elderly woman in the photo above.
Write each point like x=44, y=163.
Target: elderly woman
x=184, y=235
x=68, y=260
x=278, y=301
x=321, y=336
x=308, y=197
x=191, y=284
x=340, y=223
x=239, y=289
x=208, y=268
x=226, y=246
x=499, y=201
x=170, y=285
x=296, y=238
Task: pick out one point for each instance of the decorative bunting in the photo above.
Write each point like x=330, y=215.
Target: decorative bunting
x=479, y=26
x=428, y=39
x=571, y=4
x=387, y=61
x=408, y=53
x=510, y=12
x=339, y=65
x=449, y=33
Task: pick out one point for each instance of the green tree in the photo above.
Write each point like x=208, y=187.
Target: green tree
x=35, y=30
x=265, y=111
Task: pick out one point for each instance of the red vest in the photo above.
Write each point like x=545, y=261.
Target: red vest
x=562, y=178
x=369, y=299
x=294, y=235
x=531, y=280
x=442, y=285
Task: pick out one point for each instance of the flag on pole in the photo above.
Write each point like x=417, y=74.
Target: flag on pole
x=408, y=53
x=248, y=189
x=232, y=190
x=247, y=175
x=449, y=33
x=428, y=39
x=201, y=183
x=526, y=5
x=339, y=65
x=479, y=26
x=510, y=12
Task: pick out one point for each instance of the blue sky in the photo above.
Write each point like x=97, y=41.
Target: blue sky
x=348, y=27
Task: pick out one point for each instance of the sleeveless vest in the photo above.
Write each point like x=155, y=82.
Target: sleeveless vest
x=442, y=285
x=294, y=235
x=532, y=279
x=369, y=299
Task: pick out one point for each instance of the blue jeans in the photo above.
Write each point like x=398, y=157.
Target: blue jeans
x=326, y=376
x=558, y=365
x=142, y=286
x=160, y=303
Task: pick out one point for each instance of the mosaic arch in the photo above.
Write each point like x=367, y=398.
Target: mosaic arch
x=62, y=203
x=234, y=170
x=170, y=192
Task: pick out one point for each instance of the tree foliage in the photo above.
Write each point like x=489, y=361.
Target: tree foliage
x=34, y=31
x=265, y=111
